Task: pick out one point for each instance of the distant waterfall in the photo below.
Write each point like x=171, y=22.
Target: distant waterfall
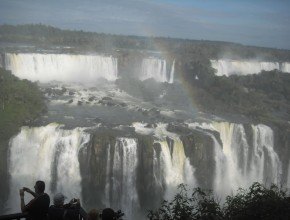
x=121, y=189
x=156, y=69
x=171, y=79
x=285, y=67
x=62, y=67
x=47, y=153
x=238, y=162
x=230, y=67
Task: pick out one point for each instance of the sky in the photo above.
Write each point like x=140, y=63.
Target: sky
x=263, y=23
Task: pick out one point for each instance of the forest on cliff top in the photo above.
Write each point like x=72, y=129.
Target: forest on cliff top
x=46, y=36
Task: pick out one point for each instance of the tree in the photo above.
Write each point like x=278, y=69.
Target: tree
x=200, y=205
x=258, y=202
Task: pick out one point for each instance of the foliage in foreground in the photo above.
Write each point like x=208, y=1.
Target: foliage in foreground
x=258, y=202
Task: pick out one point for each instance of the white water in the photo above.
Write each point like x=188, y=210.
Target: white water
x=50, y=153
x=171, y=79
x=175, y=167
x=288, y=176
x=231, y=67
x=124, y=192
x=156, y=69
x=45, y=153
x=62, y=67
x=79, y=68
x=285, y=67
x=171, y=167
x=266, y=164
x=238, y=164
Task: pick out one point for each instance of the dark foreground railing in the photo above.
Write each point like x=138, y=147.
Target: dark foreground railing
x=18, y=216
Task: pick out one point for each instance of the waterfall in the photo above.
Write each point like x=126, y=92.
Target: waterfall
x=61, y=67
x=156, y=69
x=285, y=67
x=124, y=193
x=230, y=67
x=174, y=167
x=242, y=155
x=47, y=153
x=288, y=177
x=265, y=163
x=239, y=163
x=106, y=196
x=171, y=166
x=172, y=72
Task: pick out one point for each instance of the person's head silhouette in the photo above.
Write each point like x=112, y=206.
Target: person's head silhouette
x=108, y=214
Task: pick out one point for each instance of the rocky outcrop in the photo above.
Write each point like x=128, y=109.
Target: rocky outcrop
x=93, y=162
x=199, y=148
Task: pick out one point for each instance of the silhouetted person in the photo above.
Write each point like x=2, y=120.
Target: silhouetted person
x=108, y=214
x=57, y=211
x=37, y=208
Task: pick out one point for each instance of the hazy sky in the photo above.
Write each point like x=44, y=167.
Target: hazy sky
x=251, y=22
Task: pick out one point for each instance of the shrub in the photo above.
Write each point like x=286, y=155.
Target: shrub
x=200, y=205
x=258, y=202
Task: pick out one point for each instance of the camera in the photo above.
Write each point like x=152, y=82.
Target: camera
x=73, y=204
x=118, y=215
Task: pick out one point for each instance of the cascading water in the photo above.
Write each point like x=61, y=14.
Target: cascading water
x=121, y=192
x=239, y=163
x=230, y=67
x=156, y=69
x=171, y=166
x=171, y=79
x=62, y=67
x=47, y=153
x=288, y=177
x=176, y=167
x=53, y=154
x=285, y=67
x=265, y=163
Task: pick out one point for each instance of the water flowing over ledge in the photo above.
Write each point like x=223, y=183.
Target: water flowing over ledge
x=235, y=67
x=80, y=68
x=127, y=172
x=62, y=67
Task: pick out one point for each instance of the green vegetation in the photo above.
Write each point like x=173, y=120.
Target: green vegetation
x=258, y=202
x=20, y=102
x=261, y=97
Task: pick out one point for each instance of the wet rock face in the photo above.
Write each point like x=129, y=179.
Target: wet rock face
x=199, y=149
x=4, y=183
x=94, y=162
x=151, y=171
x=282, y=146
x=149, y=192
